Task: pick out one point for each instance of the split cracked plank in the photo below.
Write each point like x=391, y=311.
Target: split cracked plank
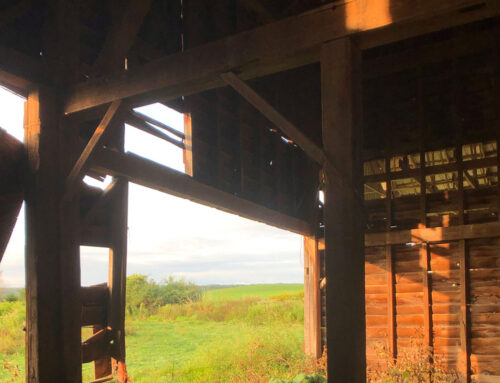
x=274, y=47
x=274, y=116
x=78, y=169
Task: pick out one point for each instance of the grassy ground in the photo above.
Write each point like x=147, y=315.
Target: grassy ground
x=256, y=291
x=239, y=334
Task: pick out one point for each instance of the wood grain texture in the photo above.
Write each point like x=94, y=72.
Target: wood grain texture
x=312, y=307
x=344, y=229
x=158, y=177
x=268, y=49
x=274, y=116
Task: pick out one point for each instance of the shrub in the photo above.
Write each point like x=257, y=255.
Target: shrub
x=145, y=296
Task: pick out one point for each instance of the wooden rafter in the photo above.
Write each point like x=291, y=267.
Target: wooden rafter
x=274, y=47
x=274, y=116
x=140, y=124
x=150, y=174
x=257, y=7
x=157, y=123
x=78, y=169
x=121, y=37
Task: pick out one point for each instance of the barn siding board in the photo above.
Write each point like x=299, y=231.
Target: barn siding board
x=429, y=94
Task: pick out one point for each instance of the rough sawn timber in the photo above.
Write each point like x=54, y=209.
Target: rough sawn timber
x=150, y=174
x=285, y=44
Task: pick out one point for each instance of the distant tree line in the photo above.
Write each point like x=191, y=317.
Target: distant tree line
x=145, y=296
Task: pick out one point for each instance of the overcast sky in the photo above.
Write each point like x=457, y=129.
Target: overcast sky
x=168, y=235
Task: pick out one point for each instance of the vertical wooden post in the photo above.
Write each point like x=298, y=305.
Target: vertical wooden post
x=343, y=213
x=312, y=307
x=52, y=253
x=464, y=311
x=118, y=269
x=53, y=309
x=427, y=298
x=391, y=308
x=188, y=143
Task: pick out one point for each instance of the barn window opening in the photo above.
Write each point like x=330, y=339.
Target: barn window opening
x=250, y=280
x=160, y=134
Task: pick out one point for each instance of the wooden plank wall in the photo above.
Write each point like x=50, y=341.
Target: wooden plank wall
x=479, y=349
x=437, y=99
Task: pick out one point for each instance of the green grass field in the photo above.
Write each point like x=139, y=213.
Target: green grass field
x=255, y=291
x=238, y=334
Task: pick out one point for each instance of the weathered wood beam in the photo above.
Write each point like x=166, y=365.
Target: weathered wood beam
x=157, y=123
x=98, y=205
x=118, y=274
x=52, y=261
x=53, y=309
x=97, y=346
x=94, y=295
x=465, y=323
x=97, y=236
x=391, y=303
x=445, y=168
x=94, y=315
x=121, y=37
x=150, y=174
x=434, y=234
x=19, y=72
x=312, y=299
x=433, y=23
x=140, y=124
x=257, y=7
x=275, y=117
x=274, y=47
x=78, y=169
x=10, y=206
x=343, y=211
x=12, y=173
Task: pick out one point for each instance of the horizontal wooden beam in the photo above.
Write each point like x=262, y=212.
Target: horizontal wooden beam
x=274, y=47
x=77, y=172
x=434, y=234
x=140, y=124
x=97, y=346
x=96, y=236
x=19, y=72
x=153, y=175
x=121, y=37
x=445, y=168
x=158, y=124
x=249, y=94
x=94, y=315
x=94, y=295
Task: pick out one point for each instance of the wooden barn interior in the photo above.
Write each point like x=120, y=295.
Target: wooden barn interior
x=389, y=108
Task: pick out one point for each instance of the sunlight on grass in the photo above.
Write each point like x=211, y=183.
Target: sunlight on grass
x=239, y=334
